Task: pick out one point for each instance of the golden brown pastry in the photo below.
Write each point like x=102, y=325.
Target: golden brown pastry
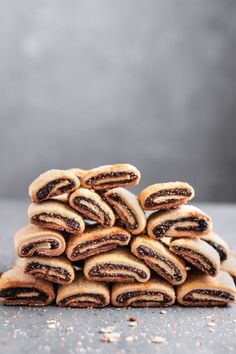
x=56, y=215
x=111, y=176
x=155, y=292
x=116, y=266
x=96, y=240
x=165, y=195
x=158, y=257
x=79, y=172
x=58, y=270
x=229, y=265
x=127, y=208
x=218, y=243
x=34, y=240
x=197, y=252
x=204, y=290
x=18, y=288
x=184, y=221
x=92, y=207
x=52, y=183
x=83, y=293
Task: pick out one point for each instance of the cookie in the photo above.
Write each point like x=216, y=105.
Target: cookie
x=96, y=240
x=198, y=253
x=57, y=216
x=116, y=266
x=155, y=292
x=79, y=172
x=58, y=270
x=218, y=243
x=127, y=208
x=83, y=293
x=92, y=207
x=33, y=240
x=111, y=176
x=184, y=221
x=165, y=195
x=204, y=290
x=18, y=288
x=52, y=183
x=158, y=257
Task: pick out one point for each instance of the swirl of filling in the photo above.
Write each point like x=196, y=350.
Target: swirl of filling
x=192, y=224
x=83, y=300
x=142, y=298
x=54, y=274
x=207, y=297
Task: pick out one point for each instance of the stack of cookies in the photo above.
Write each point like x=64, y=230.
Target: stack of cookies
x=91, y=242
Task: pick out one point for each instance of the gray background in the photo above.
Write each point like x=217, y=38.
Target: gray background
x=153, y=83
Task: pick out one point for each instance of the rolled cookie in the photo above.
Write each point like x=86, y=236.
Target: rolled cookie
x=83, y=293
x=165, y=195
x=92, y=207
x=218, y=243
x=127, y=208
x=229, y=265
x=18, y=288
x=199, y=253
x=52, y=183
x=58, y=270
x=155, y=292
x=158, y=257
x=204, y=290
x=96, y=240
x=116, y=266
x=34, y=240
x=184, y=221
x=56, y=215
x=111, y=176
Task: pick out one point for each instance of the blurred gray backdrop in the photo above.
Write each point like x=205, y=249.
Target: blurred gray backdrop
x=153, y=83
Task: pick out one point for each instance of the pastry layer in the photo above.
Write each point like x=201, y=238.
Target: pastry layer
x=18, y=288
x=183, y=221
x=58, y=270
x=116, y=266
x=33, y=240
x=165, y=195
x=83, y=293
x=158, y=257
x=199, y=253
x=96, y=240
x=155, y=292
x=56, y=215
x=111, y=176
x=218, y=243
x=52, y=183
x=127, y=208
x=204, y=290
x=92, y=207
x=229, y=265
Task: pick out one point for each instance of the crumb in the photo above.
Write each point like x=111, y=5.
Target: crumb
x=110, y=337
x=163, y=312
x=132, y=319
x=107, y=330
x=211, y=324
x=158, y=340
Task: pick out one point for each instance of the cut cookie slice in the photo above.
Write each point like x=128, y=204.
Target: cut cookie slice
x=18, y=288
x=56, y=215
x=92, y=207
x=34, y=240
x=83, y=293
x=52, y=183
x=199, y=253
x=158, y=257
x=111, y=176
x=96, y=240
x=218, y=243
x=165, y=195
x=155, y=292
x=116, y=266
x=127, y=208
x=58, y=270
x=184, y=221
x=204, y=290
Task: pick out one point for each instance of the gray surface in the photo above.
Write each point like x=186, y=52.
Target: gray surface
x=92, y=82
x=25, y=330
